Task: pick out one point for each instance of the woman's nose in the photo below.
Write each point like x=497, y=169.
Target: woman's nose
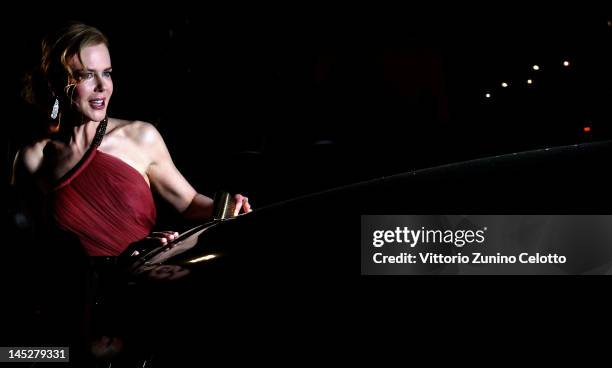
x=101, y=84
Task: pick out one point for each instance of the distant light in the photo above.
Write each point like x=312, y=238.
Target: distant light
x=204, y=258
x=535, y=67
x=529, y=81
x=610, y=23
x=566, y=63
x=504, y=84
x=587, y=129
x=487, y=95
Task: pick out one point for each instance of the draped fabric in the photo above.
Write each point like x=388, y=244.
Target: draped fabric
x=105, y=202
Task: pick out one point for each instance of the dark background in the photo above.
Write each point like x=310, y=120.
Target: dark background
x=281, y=102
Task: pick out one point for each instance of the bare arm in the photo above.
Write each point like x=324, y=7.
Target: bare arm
x=27, y=162
x=28, y=193
x=168, y=181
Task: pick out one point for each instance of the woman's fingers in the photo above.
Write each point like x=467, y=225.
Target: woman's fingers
x=157, y=239
x=163, y=237
x=165, y=234
x=246, y=206
x=242, y=202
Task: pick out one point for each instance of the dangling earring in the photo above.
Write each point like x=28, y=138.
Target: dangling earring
x=55, y=109
x=55, y=116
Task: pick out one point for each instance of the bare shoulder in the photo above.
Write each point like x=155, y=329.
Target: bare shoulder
x=140, y=132
x=30, y=157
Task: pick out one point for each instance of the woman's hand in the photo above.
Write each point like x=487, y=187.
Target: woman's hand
x=162, y=237
x=242, y=203
x=155, y=239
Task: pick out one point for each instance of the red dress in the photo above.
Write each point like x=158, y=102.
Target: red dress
x=105, y=202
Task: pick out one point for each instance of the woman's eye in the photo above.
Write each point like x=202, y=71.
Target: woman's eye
x=107, y=73
x=88, y=75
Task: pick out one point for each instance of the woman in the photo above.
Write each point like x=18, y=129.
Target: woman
x=97, y=172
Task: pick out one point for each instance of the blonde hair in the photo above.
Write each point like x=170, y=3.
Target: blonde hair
x=51, y=79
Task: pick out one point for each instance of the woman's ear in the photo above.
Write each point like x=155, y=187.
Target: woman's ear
x=69, y=90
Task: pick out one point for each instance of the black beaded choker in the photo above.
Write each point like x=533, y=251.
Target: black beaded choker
x=100, y=131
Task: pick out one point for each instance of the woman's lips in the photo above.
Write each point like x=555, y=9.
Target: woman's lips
x=97, y=104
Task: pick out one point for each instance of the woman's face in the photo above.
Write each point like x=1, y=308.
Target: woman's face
x=94, y=85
